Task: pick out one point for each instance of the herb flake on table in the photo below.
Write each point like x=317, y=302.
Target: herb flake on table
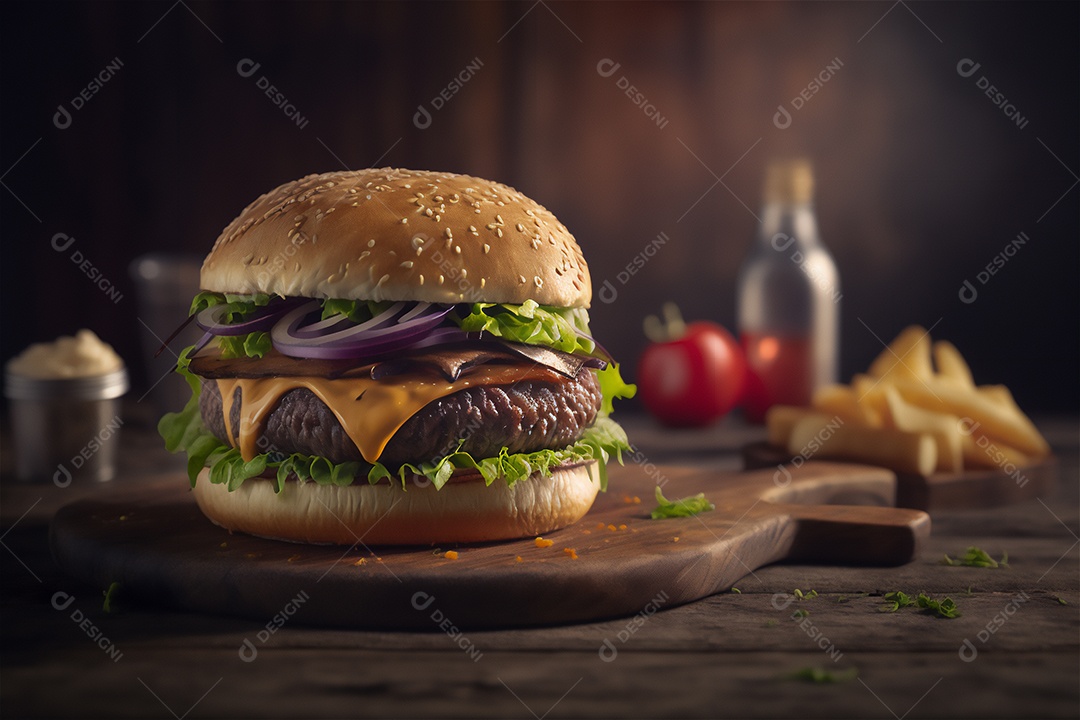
x=680, y=508
x=977, y=557
x=821, y=675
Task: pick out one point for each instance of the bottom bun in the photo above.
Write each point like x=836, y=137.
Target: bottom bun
x=387, y=514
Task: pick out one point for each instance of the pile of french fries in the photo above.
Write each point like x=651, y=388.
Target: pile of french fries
x=905, y=415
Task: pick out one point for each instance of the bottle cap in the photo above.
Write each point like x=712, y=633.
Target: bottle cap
x=789, y=182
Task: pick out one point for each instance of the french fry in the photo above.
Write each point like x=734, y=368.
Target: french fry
x=982, y=452
x=945, y=429
x=870, y=393
x=950, y=364
x=904, y=415
x=978, y=413
x=908, y=356
x=895, y=449
x=780, y=419
x=841, y=400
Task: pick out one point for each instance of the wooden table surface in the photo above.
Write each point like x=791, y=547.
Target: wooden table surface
x=1014, y=652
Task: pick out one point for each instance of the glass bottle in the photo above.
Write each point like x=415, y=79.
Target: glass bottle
x=788, y=297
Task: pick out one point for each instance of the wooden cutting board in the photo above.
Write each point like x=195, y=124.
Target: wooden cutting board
x=156, y=543
x=941, y=491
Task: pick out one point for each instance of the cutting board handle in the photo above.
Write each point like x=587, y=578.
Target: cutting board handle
x=857, y=535
x=844, y=513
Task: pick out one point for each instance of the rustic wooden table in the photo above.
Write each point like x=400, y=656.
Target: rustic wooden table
x=1014, y=652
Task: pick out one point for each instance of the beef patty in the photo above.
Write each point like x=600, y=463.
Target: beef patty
x=528, y=415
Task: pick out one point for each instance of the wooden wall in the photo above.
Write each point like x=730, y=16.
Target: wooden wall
x=922, y=180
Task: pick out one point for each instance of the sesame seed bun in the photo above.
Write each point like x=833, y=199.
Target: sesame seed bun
x=391, y=234
x=464, y=510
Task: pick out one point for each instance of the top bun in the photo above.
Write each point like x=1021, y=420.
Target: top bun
x=391, y=234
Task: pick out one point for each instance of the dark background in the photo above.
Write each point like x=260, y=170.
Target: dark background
x=921, y=179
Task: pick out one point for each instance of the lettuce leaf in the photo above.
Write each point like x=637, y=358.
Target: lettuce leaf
x=184, y=431
x=237, y=305
x=680, y=508
x=255, y=345
x=530, y=323
x=612, y=387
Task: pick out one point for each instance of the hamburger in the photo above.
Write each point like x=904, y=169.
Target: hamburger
x=395, y=357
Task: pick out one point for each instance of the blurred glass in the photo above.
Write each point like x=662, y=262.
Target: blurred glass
x=165, y=283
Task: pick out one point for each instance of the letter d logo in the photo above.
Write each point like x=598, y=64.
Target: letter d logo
x=62, y=118
x=782, y=118
x=607, y=68
x=422, y=118
x=422, y=600
x=248, y=651
x=968, y=293
x=62, y=477
x=608, y=293
x=62, y=600
x=967, y=67
x=968, y=651
x=608, y=652
x=247, y=67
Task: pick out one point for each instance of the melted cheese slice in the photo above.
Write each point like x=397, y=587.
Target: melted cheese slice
x=370, y=411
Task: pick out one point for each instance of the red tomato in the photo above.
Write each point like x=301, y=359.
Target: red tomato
x=694, y=379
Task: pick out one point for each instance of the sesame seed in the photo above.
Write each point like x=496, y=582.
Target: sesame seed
x=483, y=282
x=383, y=279
x=457, y=249
x=364, y=254
x=404, y=221
x=441, y=279
x=522, y=279
x=487, y=248
x=448, y=233
x=421, y=279
x=538, y=281
x=499, y=219
x=429, y=212
x=520, y=227
x=473, y=230
x=371, y=242
x=407, y=264
x=464, y=273
x=477, y=211
x=498, y=231
x=449, y=243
